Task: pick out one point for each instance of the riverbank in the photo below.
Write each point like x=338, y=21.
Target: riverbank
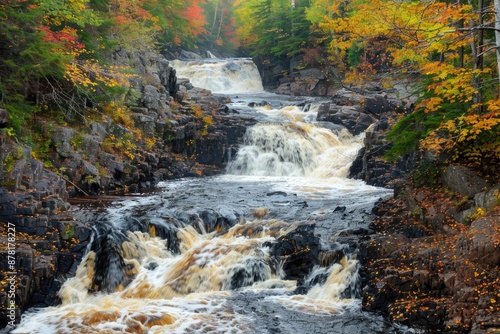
x=433, y=259
x=426, y=269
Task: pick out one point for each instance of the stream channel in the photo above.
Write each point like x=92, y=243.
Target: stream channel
x=217, y=254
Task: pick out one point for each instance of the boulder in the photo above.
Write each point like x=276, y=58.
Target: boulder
x=377, y=105
x=310, y=82
x=464, y=181
x=61, y=139
x=488, y=199
x=300, y=251
x=350, y=117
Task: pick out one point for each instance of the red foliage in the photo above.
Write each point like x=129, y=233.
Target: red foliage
x=66, y=37
x=196, y=19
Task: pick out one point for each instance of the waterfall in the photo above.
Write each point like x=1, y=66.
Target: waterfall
x=295, y=149
x=221, y=76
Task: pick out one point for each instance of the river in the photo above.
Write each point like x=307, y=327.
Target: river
x=200, y=255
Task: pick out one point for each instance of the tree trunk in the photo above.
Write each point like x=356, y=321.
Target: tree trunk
x=477, y=46
x=497, y=33
x=215, y=18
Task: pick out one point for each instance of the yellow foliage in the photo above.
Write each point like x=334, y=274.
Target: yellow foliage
x=410, y=31
x=205, y=121
x=478, y=213
x=119, y=114
x=473, y=137
x=120, y=145
x=88, y=75
x=150, y=142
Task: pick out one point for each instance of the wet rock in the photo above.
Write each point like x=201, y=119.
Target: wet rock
x=259, y=104
x=309, y=82
x=110, y=271
x=350, y=117
x=299, y=250
x=372, y=167
x=253, y=270
x=190, y=55
x=377, y=105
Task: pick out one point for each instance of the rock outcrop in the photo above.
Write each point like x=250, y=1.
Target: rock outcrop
x=310, y=82
x=433, y=259
x=48, y=242
x=370, y=112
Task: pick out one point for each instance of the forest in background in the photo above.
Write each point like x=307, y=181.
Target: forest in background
x=55, y=58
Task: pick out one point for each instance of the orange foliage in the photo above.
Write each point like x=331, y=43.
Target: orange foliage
x=196, y=19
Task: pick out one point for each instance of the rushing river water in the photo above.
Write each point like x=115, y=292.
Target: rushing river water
x=197, y=255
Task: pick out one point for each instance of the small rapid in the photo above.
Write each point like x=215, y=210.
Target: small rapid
x=257, y=250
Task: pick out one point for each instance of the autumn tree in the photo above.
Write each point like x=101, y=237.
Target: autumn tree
x=39, y=40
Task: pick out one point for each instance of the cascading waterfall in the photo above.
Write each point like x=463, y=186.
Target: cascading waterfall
x=221, y=76
x=295, y=149
x=166, y=264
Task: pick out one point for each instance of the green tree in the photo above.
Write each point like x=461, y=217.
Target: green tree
x=277, y=27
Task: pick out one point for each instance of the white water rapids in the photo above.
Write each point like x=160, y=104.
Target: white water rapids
x=288, y=173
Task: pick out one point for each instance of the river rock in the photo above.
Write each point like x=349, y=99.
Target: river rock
x=350, y=117
x=299, y=250
x=92, y=162
x=309, y=82
x=190, y=55
x=378, y=105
